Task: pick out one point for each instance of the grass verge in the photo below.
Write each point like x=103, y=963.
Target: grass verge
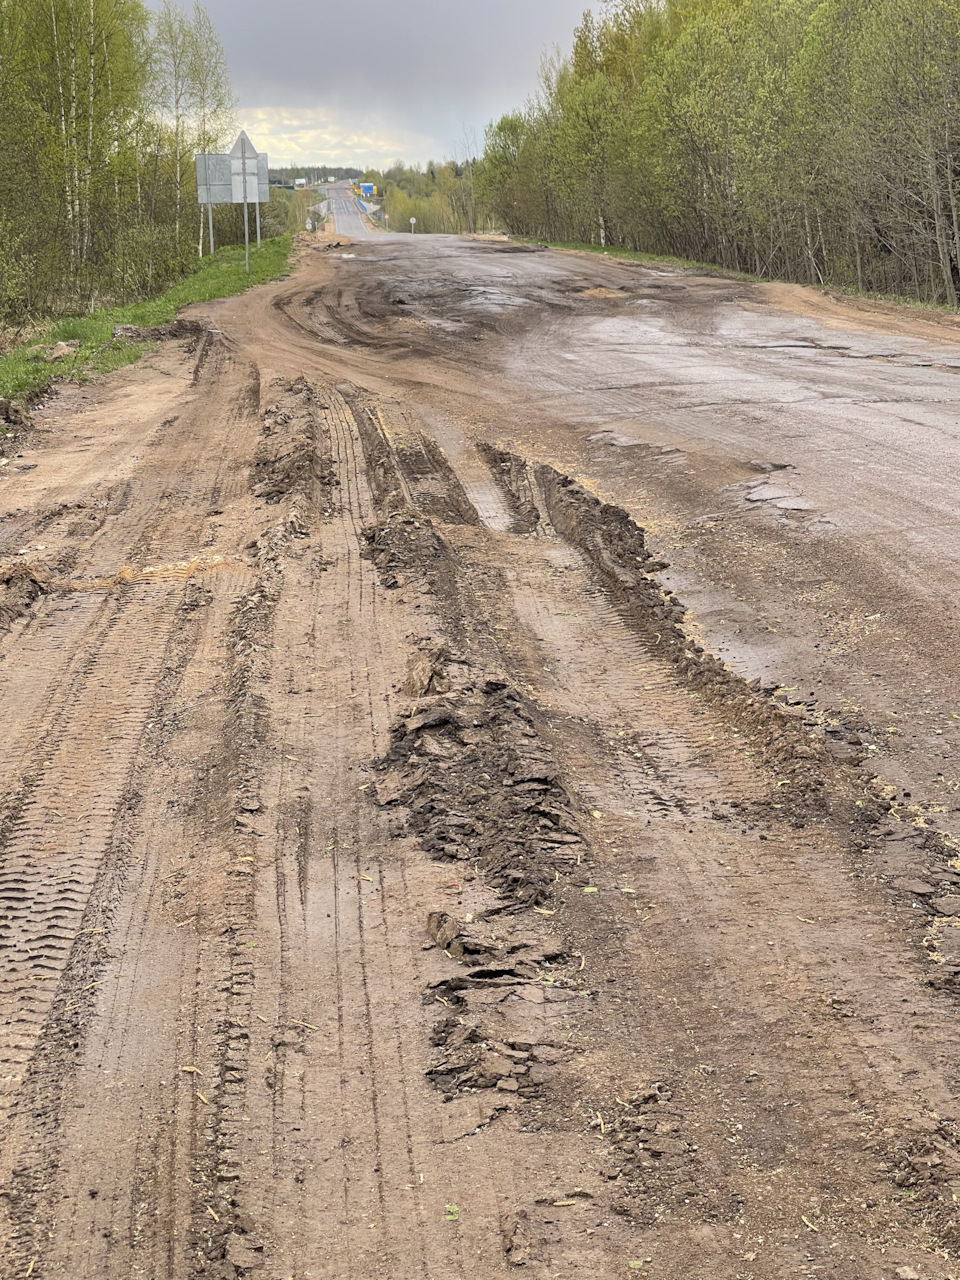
x=25, y=374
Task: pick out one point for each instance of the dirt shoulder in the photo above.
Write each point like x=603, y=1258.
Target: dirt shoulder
x=842, y=311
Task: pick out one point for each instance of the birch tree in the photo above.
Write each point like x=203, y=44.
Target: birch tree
x=100, y=110
x=814, y=140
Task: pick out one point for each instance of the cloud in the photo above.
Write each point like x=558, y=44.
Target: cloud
x=305, y=135
x=374, y=81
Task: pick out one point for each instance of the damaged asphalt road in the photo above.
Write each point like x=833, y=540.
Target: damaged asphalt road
x=478, y=788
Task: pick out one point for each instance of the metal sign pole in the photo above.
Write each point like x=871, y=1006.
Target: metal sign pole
x=246, y=218
x=258, y=211
x=206, y=174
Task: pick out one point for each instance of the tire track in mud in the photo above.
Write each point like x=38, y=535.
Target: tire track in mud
x=594, y=670
x=58, y=839
x=113, y=999
x=350, y=1134
x=279, y=1070
x=104, y=654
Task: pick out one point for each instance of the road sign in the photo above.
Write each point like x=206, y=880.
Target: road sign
x=309, y=225
x=214, y=180
x=249, y=168
x=413, y=224
x=242, y=177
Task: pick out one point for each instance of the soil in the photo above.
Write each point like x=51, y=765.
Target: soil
x=478, y=786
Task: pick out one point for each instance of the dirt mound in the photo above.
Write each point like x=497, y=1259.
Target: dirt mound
x=20, y=586
x=293, y=455
x=477, y=785
x=179, y=328
x=12, y=413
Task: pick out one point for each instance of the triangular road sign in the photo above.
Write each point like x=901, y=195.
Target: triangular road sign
x=242, y=146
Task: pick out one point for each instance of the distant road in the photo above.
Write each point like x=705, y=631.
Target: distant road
x=346, y=215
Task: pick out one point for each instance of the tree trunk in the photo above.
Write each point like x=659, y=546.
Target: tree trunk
x=940, y=230
x=88, y=176
x=811, y=258
x=68, y=191
x=856, y=254
x=74, y=158
x=954, y=210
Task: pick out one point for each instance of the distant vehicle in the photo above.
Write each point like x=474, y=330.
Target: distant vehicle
x=331, y=178
x=299, y=182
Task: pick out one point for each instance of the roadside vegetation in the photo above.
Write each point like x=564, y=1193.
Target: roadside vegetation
x=808, y=140
x=102, y=106
x=444, y=198
x=27, y=371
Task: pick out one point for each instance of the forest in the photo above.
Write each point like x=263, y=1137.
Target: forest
x=102, y=106
x=807, y=140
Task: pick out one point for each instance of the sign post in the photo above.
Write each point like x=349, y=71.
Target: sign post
x=413, y=226
x=206, y=174
x=232, y=179
x=246, y=212
x=258, y=198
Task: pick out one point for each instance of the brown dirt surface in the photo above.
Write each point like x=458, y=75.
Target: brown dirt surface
x=478, y=787
x=845, y=311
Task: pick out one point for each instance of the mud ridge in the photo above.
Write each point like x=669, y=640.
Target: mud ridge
x=390, y=493
x=402, y=543
x=182, y=327
x=467, y=766
x=20, y=587
x=222, y=1232
x=478, y=785
x=502, y=1026
x=15, y=426
x=293, y=457
x=468, y=774
x=293, y=465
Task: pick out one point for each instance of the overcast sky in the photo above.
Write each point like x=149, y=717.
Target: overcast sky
x=370, y=81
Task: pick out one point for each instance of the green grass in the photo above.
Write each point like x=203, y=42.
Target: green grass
x=23, y=377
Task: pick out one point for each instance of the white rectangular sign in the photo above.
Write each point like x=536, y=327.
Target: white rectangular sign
x=214, y=180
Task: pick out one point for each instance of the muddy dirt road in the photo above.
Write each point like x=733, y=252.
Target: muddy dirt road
x=477, y=776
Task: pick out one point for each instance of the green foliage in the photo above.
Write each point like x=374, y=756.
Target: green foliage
x=102, y=105
x=25, y=373
x=444, y=198
x=812, y=140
